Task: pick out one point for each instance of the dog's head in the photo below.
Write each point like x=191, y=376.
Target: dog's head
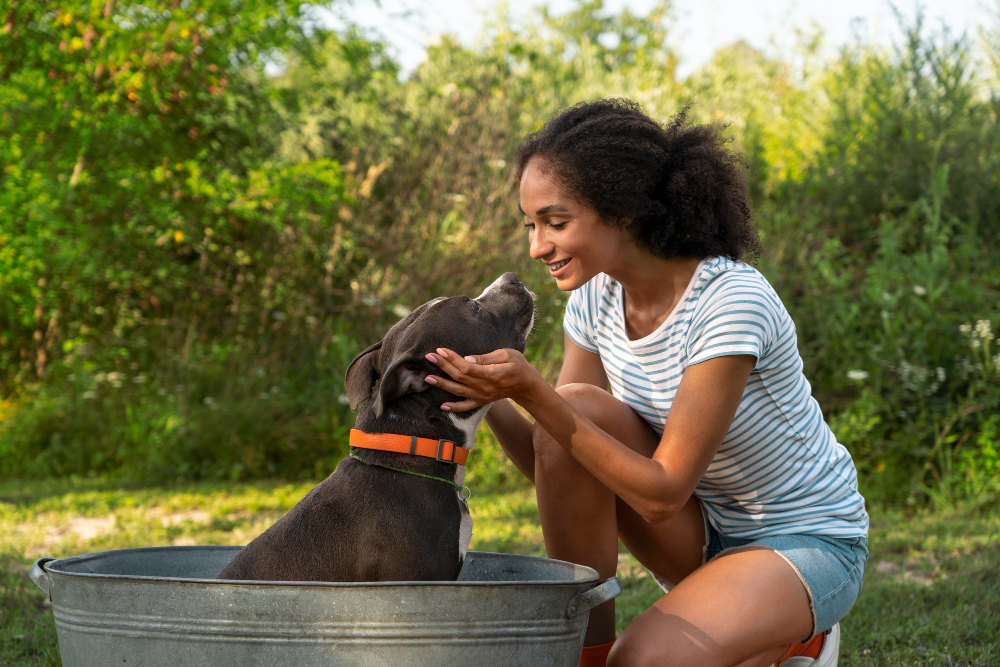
x=499, y=317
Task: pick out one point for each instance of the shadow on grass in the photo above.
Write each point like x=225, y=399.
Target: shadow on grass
x=32, y=492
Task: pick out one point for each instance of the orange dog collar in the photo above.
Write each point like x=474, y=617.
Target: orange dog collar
x=442, y=450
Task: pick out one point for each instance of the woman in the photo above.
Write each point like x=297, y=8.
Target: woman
x=709, y=459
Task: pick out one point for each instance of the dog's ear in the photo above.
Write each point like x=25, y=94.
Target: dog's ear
x=361, y=376
x=404, y=376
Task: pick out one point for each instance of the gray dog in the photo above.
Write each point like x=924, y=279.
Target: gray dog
x=385, y=516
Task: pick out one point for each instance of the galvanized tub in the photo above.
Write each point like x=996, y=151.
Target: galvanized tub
x=161, y=606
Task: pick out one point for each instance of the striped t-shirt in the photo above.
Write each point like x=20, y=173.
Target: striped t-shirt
x=780, y=469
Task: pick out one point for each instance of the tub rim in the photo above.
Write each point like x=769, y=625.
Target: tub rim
x=45, y=565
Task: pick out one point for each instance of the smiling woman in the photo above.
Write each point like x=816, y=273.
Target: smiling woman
x=676, y=190
x=709, y=459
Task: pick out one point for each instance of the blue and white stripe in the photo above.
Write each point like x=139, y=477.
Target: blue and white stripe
x=780, y=469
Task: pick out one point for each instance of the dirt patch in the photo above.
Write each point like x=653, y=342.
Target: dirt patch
x=192, y=516
x=902, y=573
x=81, y=527
x=73, y=529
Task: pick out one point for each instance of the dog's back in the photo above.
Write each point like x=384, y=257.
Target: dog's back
x=350, y=528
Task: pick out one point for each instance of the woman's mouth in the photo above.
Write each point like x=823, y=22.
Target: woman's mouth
x=556, y=268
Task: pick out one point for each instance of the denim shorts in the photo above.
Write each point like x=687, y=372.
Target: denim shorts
x=830, y=568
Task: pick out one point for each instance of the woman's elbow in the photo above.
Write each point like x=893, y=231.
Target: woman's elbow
x=658, y=512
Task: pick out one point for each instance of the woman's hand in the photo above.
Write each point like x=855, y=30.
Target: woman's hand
x=485, y=378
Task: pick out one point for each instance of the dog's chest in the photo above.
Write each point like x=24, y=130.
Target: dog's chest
x=465, y=523
x=464, y=530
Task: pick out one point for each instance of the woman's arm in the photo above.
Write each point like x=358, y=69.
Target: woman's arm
x=514, y=431
x=700, y=416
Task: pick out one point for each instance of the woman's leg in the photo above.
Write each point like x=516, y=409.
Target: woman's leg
x=582, y=519
x=742, y=608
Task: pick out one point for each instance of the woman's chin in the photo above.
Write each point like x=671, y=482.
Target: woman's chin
x=570, y=281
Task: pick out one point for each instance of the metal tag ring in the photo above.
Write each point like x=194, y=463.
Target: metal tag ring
x=468, y=493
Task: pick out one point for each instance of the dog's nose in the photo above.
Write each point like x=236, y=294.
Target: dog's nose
x=509, y=277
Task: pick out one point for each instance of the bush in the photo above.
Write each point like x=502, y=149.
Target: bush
x=187, y=228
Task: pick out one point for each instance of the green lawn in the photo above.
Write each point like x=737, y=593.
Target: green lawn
x=931, y=595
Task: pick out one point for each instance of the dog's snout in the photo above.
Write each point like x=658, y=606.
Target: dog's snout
x=509, y=277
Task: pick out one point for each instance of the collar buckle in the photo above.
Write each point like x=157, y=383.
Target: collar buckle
x=441, y=446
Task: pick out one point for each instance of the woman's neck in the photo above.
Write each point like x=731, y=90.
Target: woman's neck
x=652, y=288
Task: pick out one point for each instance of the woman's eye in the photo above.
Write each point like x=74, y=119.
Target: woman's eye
x=558, y=225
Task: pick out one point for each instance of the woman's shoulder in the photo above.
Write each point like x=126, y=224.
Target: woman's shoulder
x=731, y=291
x=727, y=270
x=727, y=279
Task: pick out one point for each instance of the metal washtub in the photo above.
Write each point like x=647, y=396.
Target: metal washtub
x=161, y=606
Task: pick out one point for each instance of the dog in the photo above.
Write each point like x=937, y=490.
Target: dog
x=383, y=515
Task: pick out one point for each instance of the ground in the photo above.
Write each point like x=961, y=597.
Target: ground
x=931, y=593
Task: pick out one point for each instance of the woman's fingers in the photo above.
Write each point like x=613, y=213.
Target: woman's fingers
x=460, y=406
x=448, y=385
x=456, y=366
x=479, y=379
x=472, y=364
x=495, y=357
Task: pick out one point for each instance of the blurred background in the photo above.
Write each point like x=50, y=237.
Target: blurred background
x=208, y=207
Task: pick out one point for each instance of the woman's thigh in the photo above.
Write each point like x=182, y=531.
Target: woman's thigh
x=671, y=549
x=742, y=608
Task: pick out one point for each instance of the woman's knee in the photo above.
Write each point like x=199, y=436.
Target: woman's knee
x=580, y=396
x=611, y=415
x=586, y=398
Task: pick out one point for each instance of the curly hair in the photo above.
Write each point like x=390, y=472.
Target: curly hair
x=678, y=190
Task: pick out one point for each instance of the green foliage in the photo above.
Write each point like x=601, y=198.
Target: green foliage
x=139, y=188
x=187, y=233
x=895, y=119
x=153, y=253
x=216, y=413
x=883, y=340
x=882, y=251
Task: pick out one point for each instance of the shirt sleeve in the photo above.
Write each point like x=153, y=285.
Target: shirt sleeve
x=580, y=322
x=737, y=315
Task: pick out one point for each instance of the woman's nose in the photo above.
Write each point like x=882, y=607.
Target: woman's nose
x=539, y=247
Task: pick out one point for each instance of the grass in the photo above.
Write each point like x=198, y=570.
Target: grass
x=931, y=594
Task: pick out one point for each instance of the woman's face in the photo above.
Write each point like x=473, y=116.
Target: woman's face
x=565, y=234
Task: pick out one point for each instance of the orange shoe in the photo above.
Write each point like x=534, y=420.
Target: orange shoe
x=820, y=651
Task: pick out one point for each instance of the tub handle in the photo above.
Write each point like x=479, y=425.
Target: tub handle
x=606, y=590
x=39, y=576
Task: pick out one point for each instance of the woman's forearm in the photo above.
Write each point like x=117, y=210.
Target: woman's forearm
x=641, y=482
x=655, y=487
x=514, y=433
